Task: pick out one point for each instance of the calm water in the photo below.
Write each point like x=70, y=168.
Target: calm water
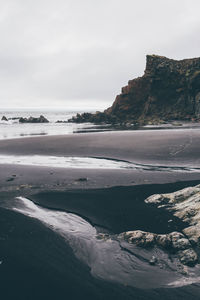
x=109, y=259
x=14, y=129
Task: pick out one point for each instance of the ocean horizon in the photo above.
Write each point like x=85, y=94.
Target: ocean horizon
x=13, y=129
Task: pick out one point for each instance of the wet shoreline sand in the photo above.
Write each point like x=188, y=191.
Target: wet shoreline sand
x=175, y=147
x=110, y=199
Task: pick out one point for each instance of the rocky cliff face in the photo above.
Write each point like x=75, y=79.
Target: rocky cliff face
x=168, y=90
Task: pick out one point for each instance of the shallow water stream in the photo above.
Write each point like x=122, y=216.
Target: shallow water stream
x=109, y=258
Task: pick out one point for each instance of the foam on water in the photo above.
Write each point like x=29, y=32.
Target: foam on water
x=12, y=129
x=185, y=281
x=64, y=162
x=87, y=163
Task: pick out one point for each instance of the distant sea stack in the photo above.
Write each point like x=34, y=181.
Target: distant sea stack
x=168, y=90
x=41, y=119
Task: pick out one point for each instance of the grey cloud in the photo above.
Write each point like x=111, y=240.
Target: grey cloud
x=63, y=52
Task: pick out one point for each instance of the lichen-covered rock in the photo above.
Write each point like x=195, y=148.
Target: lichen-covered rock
x=193, y=234
x=156, y=198
x=140, y=238
x=179, y=242
x=163, y=240
x=185, y=205
x=188, y=257
x=174, y=198
x=174, y=242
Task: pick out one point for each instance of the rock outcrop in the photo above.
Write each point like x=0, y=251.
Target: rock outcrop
x=168, y=90
x=4, y=118
x=174, y=242
x=184, y=204
x=41, y=119
x=185, y=245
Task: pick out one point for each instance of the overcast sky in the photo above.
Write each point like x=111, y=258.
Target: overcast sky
x=79, y=53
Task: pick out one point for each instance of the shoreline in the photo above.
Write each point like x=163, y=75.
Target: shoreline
x=174, y=147
x=153, y=147
x=112, y=200
x=116, y=209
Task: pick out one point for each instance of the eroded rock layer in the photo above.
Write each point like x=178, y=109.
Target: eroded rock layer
x=185, y=205
x=168, y=90
x=185, y=245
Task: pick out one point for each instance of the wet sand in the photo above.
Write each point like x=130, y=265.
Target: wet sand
x=116, y=209
x=175, y=147
x=36, y=262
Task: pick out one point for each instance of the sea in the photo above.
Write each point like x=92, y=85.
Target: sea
x=13, y=129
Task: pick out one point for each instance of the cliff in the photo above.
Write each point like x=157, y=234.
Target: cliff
x=168, y=90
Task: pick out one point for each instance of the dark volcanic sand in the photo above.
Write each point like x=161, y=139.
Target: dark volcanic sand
x=162, y=146
x=36, y=262
x=117, y=209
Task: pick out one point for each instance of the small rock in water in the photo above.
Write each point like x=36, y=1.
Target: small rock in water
x=61, y=121
x=102, y=236
x=11, y=179
x=25, y=186
x=14, y=118
x=41, y=119
x=4, y=118
x=82, y=179
x=153, y=260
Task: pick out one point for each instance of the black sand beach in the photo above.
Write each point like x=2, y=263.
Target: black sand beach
x=36, y=262
x=174, y=147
